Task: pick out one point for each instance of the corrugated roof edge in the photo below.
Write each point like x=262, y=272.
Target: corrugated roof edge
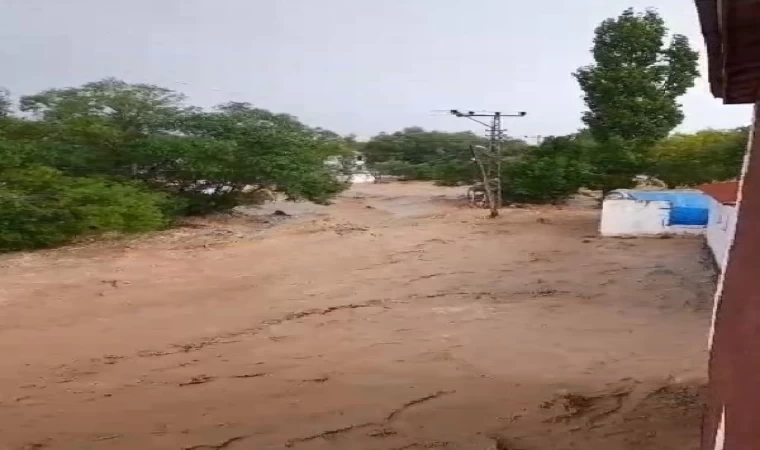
x=725, y=192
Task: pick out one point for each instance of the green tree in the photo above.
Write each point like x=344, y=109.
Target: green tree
x=5, y=103
x=405, y=170
x=99, y=127
x=40, y=207
x=110, y=155
x=139, y=131
x=702, y=157
x=414, y=145
x=134, y=109
x=632, y=92
x=415, y=153
x=550, y=172
x=240, y=146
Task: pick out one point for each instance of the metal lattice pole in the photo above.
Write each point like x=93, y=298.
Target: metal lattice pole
x=492, y=169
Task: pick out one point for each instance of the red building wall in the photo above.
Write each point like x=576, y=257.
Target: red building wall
x=735, y=338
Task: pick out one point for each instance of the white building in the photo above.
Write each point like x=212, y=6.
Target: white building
x=351, y=169
x=709, y=211
x=627, y=212
x=721, y=224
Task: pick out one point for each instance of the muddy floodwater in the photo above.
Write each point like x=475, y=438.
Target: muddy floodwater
x=395, y=318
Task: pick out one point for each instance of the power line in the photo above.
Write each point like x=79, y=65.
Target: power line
x=457, y=139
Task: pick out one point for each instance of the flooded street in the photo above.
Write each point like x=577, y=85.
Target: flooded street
x=397, y=318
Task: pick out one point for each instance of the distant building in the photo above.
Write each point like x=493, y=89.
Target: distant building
x=352, y=169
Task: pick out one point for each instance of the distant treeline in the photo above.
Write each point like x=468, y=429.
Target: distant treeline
x=560, y=165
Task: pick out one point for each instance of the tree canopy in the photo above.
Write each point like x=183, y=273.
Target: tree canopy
x=135, y=139
x=5, y=103
x=415, y=153
x=632, y=91
x=702, y=157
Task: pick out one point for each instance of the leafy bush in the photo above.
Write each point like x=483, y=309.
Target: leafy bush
x=42, y=208
x=543, y=179
x=456, y=172
x=317, y=186
x=702, y=157
x=406, y=170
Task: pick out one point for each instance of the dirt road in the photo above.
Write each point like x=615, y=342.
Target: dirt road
x=394, y=319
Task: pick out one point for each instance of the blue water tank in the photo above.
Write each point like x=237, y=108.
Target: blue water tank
x=687, y=207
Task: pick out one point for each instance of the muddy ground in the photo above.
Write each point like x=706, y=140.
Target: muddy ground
x=396, y=318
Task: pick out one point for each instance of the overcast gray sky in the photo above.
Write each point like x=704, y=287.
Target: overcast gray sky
x=353, y=66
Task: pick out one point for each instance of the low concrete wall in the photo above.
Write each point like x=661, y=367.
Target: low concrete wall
x=362, y=178
x=641, y=218
x=359, y=177
x=720, y=230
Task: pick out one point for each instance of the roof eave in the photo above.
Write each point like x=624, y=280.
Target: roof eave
x=708, y=20
x=731, y=29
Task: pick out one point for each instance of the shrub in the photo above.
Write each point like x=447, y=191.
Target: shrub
x=40, y=207
x=406, y=170
x=456, y=172
x=543, y=179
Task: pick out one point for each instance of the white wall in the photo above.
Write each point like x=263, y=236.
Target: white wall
x=362, y=178
x=720, y=230
x=640, y=218
x=357, y=178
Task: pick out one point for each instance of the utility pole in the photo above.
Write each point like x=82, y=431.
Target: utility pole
x=497, y=135
x=487, y=191
x=492, y=169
